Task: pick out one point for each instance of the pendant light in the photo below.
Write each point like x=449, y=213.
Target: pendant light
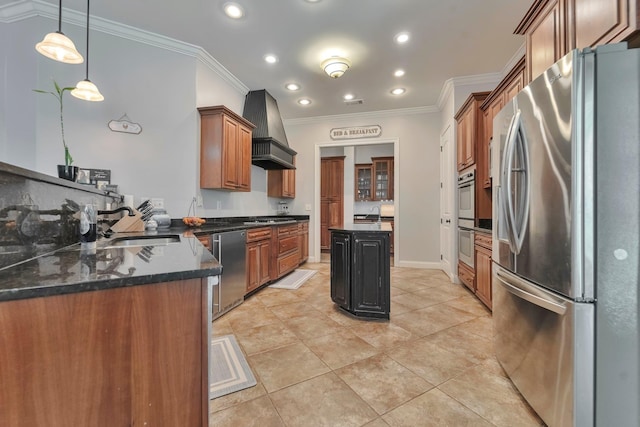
x=85, y=89
x=59, y=47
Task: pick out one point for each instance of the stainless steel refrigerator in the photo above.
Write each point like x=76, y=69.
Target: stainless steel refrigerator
x=566, y=193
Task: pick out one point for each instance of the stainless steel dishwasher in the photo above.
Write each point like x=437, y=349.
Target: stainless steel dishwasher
x=229, y=248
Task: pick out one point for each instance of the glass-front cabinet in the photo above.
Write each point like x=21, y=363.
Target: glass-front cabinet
x=383, y=174
x=363, y=181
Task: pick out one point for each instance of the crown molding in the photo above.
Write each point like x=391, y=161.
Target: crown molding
x=365, y=115
x=452, y=83
x=517, y=56
x=17, y=11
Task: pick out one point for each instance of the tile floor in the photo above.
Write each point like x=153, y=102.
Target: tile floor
x=432, y=364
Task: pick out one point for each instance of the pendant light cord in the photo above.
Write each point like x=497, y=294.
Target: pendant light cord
x=60, y=17
x=87, y=59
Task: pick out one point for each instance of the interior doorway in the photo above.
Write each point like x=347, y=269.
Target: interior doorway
x=348, y=150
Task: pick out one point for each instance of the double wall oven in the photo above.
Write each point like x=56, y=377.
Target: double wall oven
x=466, y=217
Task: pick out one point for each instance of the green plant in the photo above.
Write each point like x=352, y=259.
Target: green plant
x=68, y=160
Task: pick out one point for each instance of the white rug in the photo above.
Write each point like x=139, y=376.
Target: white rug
x=230, y=371
x=293, y=280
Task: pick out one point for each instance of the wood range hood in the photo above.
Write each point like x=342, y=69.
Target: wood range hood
x=269, y=148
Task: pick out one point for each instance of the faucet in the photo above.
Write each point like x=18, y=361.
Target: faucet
x=378, y=208
x=120, y=209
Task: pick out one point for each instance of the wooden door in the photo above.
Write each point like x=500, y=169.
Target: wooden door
x=265, y=261
x=545, y=39
x=363, y=182
x=383, y=178
x=231, y=159
x=244, y=159
x=483, y=275
x=253, y=266
x=325, y=235
x=596, y=22
x=331, y=197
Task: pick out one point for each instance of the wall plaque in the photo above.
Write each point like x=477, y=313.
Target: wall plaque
x=356, y=132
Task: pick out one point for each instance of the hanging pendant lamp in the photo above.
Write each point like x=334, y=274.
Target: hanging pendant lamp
x=85, y=89
x=59, y=47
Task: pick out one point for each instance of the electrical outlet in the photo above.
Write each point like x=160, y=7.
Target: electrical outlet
x=218, y=204
x=199, y=201
x=157, y=203
x=307, y=207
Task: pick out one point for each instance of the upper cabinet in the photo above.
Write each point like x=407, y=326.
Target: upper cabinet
x=554, y=27
x=469, y=129
x=225, y=150
x=382, y=178
x=282, y=182
x=363, y=179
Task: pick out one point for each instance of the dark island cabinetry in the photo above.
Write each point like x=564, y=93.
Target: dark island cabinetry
x=360, y=270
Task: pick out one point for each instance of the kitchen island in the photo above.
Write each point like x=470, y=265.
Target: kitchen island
x=118, y=336
x=360, y=269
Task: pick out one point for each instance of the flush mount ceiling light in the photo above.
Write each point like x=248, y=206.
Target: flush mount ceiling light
x=270, y=58
x=398, y=91
x=348, y=97
x=335, y=66
x=401, y=38
x=233, y=10
x=292, y=86
x=59, y=47
x=304, y=101
x=399, y=73
x=85, y=89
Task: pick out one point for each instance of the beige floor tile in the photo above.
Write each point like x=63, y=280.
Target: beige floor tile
x=437, y=294
x=413, y=301
x=407, y=285
x=482, y=326
x=258, y=315
x=287, y=365
x=221, y=326
x=340, y=349
x=381, y=334
x=396, y=291
x=270, y=296
x=398, y=308
x=378, y=422
x=232, y=399
x=263, y=338
x=382, y=382
x=258, y=412
x=313, y=326
x=434, y=409
x=470, y=304
x=431, y=362
x=491, y=395
x=324, y=401
x=431, y=319
x=291, y=310
x=459, y=341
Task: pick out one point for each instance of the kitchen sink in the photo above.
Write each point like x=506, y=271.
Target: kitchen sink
x=129, y=241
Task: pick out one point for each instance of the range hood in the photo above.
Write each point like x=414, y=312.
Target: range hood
x=269, y=148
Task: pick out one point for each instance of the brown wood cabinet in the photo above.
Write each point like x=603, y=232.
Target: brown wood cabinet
x=303, y=241
x=382, y=178
x=258, y=257
x=467, y=276
x=331, y=197
x=107, y=358
x=554, y=27
x=285, y=256
x=469, y=129
x=483, y=268
x=282, y=182
x=225, y=150
x=363, y=181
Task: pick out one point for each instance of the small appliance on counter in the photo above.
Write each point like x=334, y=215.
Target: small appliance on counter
x=161, y=217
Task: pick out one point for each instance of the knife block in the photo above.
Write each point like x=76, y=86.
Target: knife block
x=129, y=223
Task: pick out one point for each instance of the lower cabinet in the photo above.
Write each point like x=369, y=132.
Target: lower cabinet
x=483, y=268
x=303, y=241
x=286, y=253
x=467, y=276
x=360, y=272
x=258, y=257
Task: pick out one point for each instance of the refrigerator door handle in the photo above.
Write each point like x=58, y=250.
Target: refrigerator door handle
x=507, y=204
x=520, y=222
x=531, y=293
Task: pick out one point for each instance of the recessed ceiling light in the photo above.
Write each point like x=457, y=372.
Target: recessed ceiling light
x=402, y=38
x=398, y=91
x=313, y=1
x=270, y=58
x=292, y=86
x=348, y=97
x=304, y=101
x=399, y=73
x=233, y=10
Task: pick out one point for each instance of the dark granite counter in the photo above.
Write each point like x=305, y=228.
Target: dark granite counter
x=374, y=226
x=71, y=270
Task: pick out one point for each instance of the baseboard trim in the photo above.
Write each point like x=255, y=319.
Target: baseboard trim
x=418, y=264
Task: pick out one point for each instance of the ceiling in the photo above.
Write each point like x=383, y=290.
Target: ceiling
x=448, y=38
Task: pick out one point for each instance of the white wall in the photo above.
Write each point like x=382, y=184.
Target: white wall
x=418, y=162
x=364, y=153
x=156, y=87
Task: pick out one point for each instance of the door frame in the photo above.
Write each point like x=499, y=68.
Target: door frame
x=396, y=186
x=448, y=188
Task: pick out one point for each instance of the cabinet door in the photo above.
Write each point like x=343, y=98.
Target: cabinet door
x=383, y=178
x=363, y=182
x=325, y=235
x=341, y=269
x=244, y=159
x=466, y=128
x=230, y=158
x=370, y=278
x=596, y=22
x=483, y=275
x=515, y=86
x=460, y=145
x=546, y=39
x=264, y=257
x=253, y=266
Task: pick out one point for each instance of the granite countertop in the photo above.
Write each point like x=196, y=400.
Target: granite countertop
x=372, y=217
x=374, y=226
x=71, y=270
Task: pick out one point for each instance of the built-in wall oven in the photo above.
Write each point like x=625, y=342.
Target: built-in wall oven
x=466, y=195
x=466, y=237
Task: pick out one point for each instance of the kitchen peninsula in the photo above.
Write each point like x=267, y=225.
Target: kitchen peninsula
x=360, y=269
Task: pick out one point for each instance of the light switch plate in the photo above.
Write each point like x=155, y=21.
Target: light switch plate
x=157, y=203
x=307, y=207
